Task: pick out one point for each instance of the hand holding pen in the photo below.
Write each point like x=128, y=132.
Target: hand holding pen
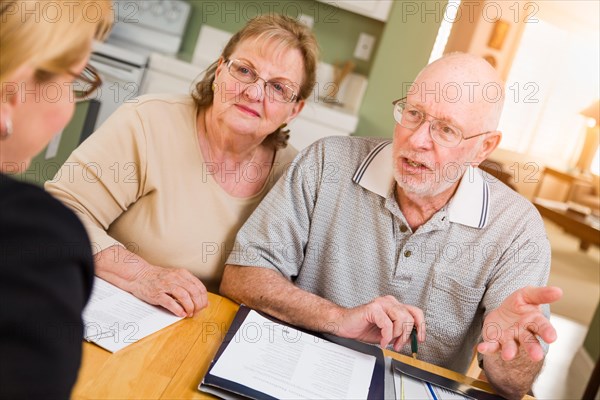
x=384, y=320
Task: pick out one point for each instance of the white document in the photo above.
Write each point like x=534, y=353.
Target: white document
x=114, y=318
x=289, y=364
x=408, y=388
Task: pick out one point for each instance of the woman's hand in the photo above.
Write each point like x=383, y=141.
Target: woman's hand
x=175, y=289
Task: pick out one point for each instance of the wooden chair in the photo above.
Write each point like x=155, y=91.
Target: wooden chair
x=497, y=170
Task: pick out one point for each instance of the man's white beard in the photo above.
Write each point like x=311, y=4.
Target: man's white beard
x=426, y=185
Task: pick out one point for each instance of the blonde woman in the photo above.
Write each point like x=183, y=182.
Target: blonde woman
x=46, y=265
x=169, y=180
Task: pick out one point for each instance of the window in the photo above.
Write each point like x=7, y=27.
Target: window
x=595, y=168
x=444, y=32
x=554, y=75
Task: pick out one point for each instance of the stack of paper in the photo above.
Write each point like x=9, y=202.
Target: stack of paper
x=114, y=318
x=264, y=358
x=408, y=388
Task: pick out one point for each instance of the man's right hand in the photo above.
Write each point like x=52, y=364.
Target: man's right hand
x=384, y=320
x=175, y=289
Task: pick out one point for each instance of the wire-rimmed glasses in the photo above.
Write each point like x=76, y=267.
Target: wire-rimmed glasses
x=278, y=90
x=86, y=82
x=441, y=132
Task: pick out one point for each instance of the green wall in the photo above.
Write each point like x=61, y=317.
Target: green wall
x=405, y=48
x=336, y=30
x=592, y=340
x=40, y=170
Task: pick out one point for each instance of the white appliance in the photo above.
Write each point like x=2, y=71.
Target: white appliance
x=170, y=75
x=122, y=72
x=141, y=28
x=210, y=44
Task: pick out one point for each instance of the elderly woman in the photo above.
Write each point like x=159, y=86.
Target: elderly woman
x=163, y=186
x=46, y=264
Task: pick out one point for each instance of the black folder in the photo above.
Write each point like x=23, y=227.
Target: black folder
x=438, y=380
x=228, y=389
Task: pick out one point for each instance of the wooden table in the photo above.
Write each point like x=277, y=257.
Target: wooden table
x=171, y=363
x=584, y=227
x=562, y=176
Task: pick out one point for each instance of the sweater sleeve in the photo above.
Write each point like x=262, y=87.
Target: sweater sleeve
x=105, y=175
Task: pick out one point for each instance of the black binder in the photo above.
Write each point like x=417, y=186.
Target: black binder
x=232, y=390
x=460, y=388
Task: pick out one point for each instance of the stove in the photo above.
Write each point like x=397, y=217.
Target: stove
x=141, y=28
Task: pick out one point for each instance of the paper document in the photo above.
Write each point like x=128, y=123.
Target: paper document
x=114, y=318
x=286, y=363
x=408, y=388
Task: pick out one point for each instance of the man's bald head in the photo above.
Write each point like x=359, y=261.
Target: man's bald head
x=465, y=80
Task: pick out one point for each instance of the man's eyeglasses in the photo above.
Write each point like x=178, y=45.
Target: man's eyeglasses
x=86, y=82
x=279, y=91
x=441, y=132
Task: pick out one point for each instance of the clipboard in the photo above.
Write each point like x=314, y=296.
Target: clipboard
x=449, y=384
x=228, y=389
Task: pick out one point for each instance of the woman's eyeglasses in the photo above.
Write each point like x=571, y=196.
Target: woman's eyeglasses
x=279, y=91
x=86, y=82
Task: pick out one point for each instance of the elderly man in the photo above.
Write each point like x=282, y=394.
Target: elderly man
x=366, y=238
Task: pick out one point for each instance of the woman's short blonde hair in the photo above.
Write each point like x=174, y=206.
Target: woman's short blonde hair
x=290, y=34
x=49, y=35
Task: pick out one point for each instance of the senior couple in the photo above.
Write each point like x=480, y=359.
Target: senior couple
x=360, y=248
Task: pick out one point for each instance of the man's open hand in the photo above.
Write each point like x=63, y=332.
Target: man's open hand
x=517, y=322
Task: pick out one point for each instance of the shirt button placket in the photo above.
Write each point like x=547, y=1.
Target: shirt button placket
x=404, y=229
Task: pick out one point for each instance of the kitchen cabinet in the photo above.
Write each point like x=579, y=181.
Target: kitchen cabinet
x=376, y=9
x=318, y=120
x=169, y=75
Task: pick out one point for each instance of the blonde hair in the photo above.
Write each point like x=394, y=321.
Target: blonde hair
x=290, y=34
x=49, y=36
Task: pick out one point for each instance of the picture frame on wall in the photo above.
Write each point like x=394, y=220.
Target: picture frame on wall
x=498, y=35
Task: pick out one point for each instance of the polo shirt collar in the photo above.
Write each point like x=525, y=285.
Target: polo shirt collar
x=469, y=206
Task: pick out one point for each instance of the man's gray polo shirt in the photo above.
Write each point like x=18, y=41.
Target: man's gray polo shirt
x=332, y=225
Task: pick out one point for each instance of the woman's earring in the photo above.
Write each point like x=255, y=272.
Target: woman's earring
x=214, y=86
x=8, y=129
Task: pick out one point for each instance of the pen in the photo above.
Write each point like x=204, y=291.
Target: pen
x=414, y=346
